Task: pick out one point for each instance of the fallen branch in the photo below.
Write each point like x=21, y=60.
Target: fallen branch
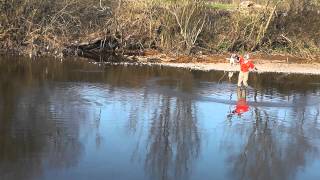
x=287, y=39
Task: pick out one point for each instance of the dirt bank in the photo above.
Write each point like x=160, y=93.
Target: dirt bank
x=264, y=63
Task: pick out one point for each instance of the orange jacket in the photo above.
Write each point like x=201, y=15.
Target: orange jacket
x=245, y=66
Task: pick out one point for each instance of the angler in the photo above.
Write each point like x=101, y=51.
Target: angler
x=246, y=65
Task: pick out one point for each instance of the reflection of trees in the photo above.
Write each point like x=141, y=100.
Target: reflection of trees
x=259, y=157
x=32, y=137
x=36, y=140
x=273, y=149
x=173, y=141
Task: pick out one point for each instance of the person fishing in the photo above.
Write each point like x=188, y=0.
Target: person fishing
x=246, y=65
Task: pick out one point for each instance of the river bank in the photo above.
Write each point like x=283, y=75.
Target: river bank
x=214, y=62
x=264, y=63
x=179, y=27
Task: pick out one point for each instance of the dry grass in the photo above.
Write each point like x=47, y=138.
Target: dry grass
x=37, y=27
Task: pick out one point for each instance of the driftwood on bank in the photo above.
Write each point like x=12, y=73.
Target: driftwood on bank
x=101, y=49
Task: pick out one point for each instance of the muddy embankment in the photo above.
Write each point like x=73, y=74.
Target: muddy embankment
x=105, y=51
x=188, y=33
x=264, y=63
x=203, y=42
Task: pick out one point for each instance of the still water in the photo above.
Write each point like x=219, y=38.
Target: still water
x=73, y=120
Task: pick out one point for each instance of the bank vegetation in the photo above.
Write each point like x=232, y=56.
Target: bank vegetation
x=71, y=27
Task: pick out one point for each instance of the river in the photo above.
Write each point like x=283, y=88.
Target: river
x=74, y=120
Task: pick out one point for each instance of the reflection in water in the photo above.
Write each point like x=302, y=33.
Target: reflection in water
x=40, y=132
x=242, y=105
x=274, y=148
x=173, y=141
x=73, y=119
x=35, y=130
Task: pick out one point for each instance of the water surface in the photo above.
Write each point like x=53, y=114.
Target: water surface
x=76, y=120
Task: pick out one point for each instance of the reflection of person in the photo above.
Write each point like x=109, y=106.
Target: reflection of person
x=242, y=105
x=245, y=66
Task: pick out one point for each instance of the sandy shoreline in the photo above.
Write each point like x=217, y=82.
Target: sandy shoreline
x=220, y=64
x=313, y=69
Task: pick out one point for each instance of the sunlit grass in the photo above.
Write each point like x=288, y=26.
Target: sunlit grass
x=223, y=6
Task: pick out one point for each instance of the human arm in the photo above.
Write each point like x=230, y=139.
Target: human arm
x=252, y=66
x=240, y=60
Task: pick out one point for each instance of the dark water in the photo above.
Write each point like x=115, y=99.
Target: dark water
x=73, y=120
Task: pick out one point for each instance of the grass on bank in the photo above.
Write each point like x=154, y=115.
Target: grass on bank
x=223, y=6
x=36, y=26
